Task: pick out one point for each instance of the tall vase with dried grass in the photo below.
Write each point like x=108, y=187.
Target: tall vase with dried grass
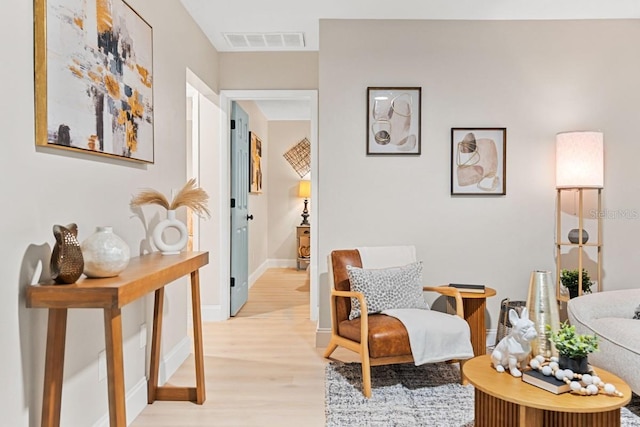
x=190, y=196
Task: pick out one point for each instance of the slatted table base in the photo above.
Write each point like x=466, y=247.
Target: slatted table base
x=491, y=411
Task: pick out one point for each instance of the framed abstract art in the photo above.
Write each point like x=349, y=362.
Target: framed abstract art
x=255, y=164
x=478, y=161
x=94, y=78
x=393, y=120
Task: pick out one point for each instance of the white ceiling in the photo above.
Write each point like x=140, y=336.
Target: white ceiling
x=292, y=16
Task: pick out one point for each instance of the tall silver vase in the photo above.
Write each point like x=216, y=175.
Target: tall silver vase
x=543, y=311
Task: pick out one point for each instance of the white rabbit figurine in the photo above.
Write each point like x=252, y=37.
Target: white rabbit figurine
x=513, y=351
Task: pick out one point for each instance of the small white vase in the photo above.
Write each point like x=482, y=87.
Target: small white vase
x=170, y=222
x=105, y=253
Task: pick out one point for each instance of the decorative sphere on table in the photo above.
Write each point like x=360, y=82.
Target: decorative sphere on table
x=105, y=253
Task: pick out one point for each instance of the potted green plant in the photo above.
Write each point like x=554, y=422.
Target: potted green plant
x=570, y=279
x=573, y=348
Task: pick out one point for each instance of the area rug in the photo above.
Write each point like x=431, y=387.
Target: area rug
x=408, y=395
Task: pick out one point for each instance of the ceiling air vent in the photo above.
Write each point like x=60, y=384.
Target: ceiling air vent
x=266, y=41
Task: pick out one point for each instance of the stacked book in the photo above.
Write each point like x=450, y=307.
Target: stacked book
x=463, y=287
x=549, y=383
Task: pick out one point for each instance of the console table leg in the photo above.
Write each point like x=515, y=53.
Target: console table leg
x=53, y=367
x=197, y=337
x=115, y=367
x=154, y=364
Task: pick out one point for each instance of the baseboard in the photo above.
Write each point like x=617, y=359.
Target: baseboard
x=281, y=263
x=258, y=272
x=174, y=359
x=491, y=337
x=136, y=398
x=136, y=401
x=323, y=336
x=212, y=313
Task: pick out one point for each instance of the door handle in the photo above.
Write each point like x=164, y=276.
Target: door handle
x=250, y=217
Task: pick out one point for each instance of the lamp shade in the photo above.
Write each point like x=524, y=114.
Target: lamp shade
x=580, y=160
x=304, y=189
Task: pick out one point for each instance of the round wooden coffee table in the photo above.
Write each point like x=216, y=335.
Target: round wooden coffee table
x=504, y=400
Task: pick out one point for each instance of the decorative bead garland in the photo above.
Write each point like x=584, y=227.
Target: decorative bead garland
x=587, y=384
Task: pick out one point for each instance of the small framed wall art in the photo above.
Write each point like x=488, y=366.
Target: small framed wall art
x=478, y=161
x=255, y=164
x=393, y=120
x=94, y=78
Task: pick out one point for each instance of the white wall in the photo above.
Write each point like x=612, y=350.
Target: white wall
x=535, y=78
x=268, y=70
x=45, y=187
x=285, y=207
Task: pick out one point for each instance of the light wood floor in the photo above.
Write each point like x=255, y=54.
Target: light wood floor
x=262, y=367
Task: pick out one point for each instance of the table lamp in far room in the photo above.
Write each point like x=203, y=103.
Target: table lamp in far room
x=304, y=191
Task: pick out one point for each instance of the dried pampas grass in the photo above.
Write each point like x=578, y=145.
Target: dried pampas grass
x=189, y=196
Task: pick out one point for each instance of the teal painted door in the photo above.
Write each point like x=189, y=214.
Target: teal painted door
x=239, y=205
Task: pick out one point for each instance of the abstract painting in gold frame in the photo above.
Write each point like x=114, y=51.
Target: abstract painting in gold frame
x=94, y=78
x=255, y=164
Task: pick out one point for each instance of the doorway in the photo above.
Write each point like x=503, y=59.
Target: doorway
x=226, y=99
x=204, y=164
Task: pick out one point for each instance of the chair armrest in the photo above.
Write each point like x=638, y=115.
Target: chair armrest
x=619, y=303
x=364, y=314
x=450, y=292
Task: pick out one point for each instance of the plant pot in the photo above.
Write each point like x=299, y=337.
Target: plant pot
x=573, y=292
x=579, y=365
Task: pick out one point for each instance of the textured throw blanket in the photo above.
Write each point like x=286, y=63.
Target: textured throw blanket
x=434, y=336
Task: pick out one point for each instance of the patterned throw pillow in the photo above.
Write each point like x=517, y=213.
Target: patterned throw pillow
x=637, y=314
x=387, y=288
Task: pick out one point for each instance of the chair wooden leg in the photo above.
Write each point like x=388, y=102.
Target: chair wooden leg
x=463, y=377
x=330, y=349
x=366, y=374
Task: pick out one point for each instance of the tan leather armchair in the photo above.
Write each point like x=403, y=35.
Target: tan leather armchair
x=378, y=338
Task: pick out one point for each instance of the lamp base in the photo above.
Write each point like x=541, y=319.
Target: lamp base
x=305, y=214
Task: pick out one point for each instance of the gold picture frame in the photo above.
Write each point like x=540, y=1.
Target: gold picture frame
x=94, y=78
x=255, y=164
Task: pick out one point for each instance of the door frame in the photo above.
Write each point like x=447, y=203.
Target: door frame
x=223, y=204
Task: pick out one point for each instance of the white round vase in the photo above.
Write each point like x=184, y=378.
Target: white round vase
x=170, y=222
x=105, y=254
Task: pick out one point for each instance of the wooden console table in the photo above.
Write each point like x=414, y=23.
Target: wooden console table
x=145, y=274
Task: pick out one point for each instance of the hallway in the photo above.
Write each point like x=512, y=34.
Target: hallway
x=262, y=367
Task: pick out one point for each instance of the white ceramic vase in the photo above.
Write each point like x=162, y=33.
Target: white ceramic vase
x=170, y=222
x=105, y=253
